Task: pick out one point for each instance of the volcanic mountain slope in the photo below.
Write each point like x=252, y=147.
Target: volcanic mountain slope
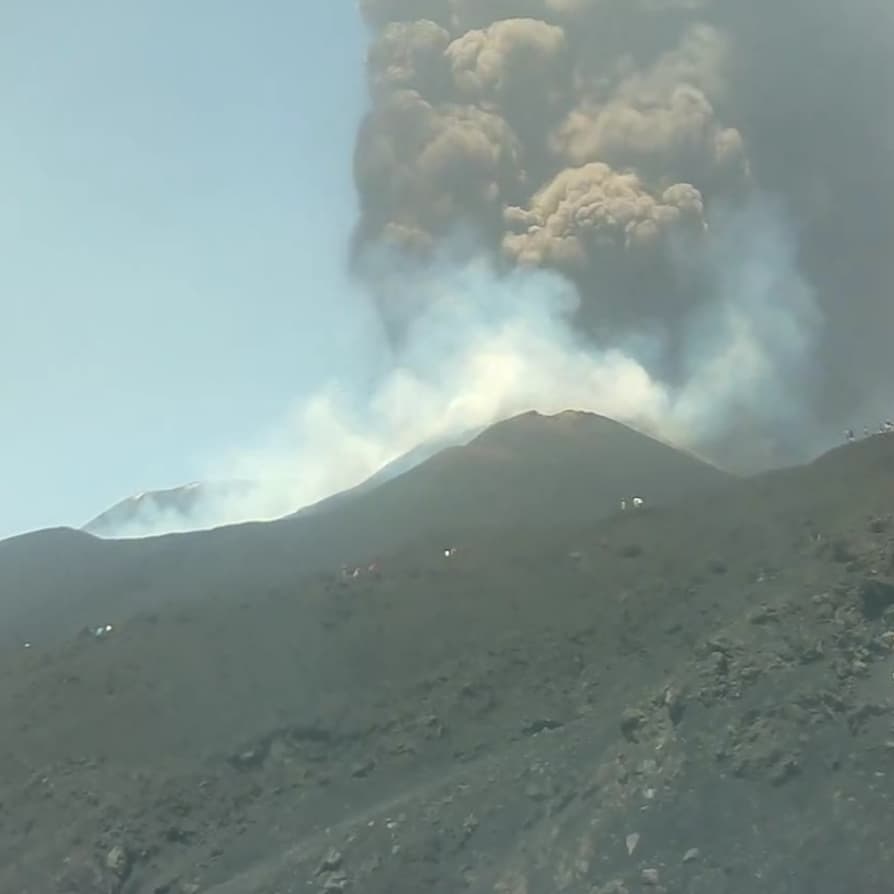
x=174, y=507
x=405, y=463
x=531, y=470
x=536, y=470
x=208, y=504
x=690, y=698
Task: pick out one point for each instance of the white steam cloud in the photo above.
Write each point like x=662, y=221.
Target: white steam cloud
x=493, y=344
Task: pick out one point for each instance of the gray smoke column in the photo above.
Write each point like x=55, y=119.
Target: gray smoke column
x=604, y=139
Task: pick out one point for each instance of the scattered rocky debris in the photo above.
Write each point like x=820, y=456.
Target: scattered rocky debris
x=362, y=769
x=517, y=723
x=631, y=721
x=651, y=877
x=332, y=862
x=542, y=725
x=876, y=595
x=118, y=862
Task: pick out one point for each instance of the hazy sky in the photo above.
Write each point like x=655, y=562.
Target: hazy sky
x=175, y=196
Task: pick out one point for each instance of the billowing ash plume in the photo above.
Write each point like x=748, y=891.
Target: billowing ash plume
x=604, y=139
x=678, y=213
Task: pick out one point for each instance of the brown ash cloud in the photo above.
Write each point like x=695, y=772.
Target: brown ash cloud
x=604, y=140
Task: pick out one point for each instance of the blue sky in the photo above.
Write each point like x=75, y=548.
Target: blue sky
x=175, y=201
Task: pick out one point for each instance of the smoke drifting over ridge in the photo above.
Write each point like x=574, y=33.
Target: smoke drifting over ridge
x=604, y=140
x=488, y=344
x=677, y=213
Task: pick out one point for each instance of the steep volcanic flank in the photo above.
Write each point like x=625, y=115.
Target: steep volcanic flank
x=532, y=470
x=695, y=697
x=204, y=505
x=541, y=471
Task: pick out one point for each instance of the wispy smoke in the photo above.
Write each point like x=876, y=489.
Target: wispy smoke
x=490, y=343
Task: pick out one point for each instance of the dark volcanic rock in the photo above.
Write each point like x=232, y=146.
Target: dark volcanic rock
x=876, y=595
x=535, y=471
x=502, y=720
